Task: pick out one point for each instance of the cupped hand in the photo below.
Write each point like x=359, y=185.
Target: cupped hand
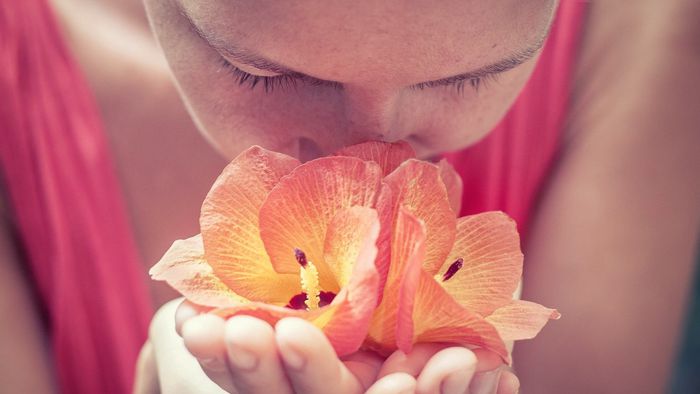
x=245, y=355
x=429, y=368
x=166, y=363
x=441, y=368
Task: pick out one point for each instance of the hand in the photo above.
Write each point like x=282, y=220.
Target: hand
x=429, y=368
x=440, y=368
x=166, y=363
x=246, y=355
x=218, y=346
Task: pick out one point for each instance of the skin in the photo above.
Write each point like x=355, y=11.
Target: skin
x=628, y=160
x=376, y=102
x=376, y=74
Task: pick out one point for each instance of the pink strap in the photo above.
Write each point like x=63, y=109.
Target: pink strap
x=66, y=203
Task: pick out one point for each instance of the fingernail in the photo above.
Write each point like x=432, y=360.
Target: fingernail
x=291, y=357
x=485, y=382
x=455, y=382
x=243, y=359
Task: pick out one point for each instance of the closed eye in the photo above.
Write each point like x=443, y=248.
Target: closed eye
x=291, y=81
x=270, y=83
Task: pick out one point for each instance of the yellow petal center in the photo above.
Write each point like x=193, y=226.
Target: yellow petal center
x=310, y=285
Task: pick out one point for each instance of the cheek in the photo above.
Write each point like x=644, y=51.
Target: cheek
x=234, y=117
x=444, y=121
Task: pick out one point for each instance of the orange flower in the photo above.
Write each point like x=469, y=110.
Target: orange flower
x=365, y=244
x=279, y=238
x=449, y=280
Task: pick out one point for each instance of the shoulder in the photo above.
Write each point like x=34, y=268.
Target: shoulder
x=637, y=71
x=630, y=148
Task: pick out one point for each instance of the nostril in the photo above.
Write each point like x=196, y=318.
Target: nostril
x=308, y=150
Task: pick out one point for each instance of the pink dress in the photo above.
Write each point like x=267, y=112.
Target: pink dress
x=58, y=178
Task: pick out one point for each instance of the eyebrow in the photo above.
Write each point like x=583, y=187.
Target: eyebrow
x=251, y=59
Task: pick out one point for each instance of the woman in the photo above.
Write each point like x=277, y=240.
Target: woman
x=336, y=76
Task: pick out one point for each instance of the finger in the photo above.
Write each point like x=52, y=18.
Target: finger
x=185, y=311
x=487, y=360
x=310, y=361
x=253, y=359
x=364, y=365
x=508, y=384
x=485, y=382
x=449, y=371
x=203, y=336
x=177, y=369
x=411, y=363
x=146, y=379
x=395, y=383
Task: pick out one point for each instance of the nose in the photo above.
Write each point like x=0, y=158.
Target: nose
x=373, y=114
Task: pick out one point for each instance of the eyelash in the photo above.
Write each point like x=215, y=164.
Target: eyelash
x=286, y=81
x=459, y=84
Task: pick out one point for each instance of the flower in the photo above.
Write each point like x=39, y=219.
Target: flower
x=449, y=280
x=280, y=238
x=365, y=244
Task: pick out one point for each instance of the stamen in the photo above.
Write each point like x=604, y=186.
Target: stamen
x=454, y=267
x=301, y=257
x=309, y=279
x=310, y=285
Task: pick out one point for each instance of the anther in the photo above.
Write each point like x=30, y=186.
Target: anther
x=454, y=267
x=301, y=257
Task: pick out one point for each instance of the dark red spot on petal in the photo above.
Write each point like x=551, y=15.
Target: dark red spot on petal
x=301, y=257
x=326, y=298
x=299, y=300
x=454, y=267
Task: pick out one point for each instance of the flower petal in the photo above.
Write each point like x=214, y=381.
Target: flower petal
x=183, y=267
x=230, y=227
x=490, y=247
x=348, y=326
x=437, y=317
x=453, y=184
x=345, y=321
x=521, y=319
x=345, y=238
x=385, y=208
x=271, y=313
x=417, y=186
x=387, y=154
x=298, y=210
x=392, y=324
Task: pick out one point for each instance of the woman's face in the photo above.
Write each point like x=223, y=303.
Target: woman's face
x=308, y=77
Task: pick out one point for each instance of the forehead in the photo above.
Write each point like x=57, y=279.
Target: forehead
x=352, y=40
